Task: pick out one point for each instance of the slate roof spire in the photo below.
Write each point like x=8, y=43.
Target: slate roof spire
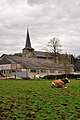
x=28, y=42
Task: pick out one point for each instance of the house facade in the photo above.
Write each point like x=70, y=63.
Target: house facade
x=29, y=63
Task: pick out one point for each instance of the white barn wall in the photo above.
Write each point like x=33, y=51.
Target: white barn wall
x=5, y=67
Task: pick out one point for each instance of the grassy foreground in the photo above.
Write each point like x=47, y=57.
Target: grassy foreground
x=36, y=100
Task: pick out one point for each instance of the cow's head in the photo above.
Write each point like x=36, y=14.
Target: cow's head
x=66, y=80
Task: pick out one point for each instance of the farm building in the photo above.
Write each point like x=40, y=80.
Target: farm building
x=29, y=63
x=77, y=65
x=25, y=67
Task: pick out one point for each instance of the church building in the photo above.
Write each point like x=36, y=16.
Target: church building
x=29, y=63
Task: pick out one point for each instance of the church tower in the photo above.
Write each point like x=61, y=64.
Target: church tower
x=27, y=50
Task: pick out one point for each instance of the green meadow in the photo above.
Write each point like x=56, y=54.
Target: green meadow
x=36, y=100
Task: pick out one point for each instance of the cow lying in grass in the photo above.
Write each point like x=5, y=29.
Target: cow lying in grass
x=61, y=83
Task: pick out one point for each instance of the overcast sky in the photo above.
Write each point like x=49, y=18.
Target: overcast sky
x=45, y=19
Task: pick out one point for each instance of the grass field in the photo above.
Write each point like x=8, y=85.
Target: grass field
x=36, y=100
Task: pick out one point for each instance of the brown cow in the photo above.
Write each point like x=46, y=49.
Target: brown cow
x=61, y=83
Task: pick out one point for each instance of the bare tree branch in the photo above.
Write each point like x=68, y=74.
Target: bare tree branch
x=54, y=45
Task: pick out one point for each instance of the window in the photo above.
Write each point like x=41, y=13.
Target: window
x=37, y=71
x=13, y=71
x=51, y=71
x=33, y=70
x=43, y=71
x=4, y=72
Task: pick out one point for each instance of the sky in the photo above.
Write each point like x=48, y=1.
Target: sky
x=45, y=19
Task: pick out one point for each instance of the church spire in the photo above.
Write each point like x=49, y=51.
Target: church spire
x=28, y=43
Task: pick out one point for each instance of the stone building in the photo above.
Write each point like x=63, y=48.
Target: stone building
x=29, y=63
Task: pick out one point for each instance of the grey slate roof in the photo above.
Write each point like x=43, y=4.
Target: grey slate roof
x=40, y=54
x=33, y=62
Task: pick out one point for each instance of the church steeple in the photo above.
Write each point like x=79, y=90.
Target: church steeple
x=28, y=43
x=28, y=47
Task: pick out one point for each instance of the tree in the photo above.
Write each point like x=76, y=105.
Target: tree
x=66, y=62
x=53, y=47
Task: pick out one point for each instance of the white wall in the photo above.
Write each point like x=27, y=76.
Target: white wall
x=22, y=74
x=5, y=67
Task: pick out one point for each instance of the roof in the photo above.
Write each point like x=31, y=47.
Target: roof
x=40, y=54
x=33, y=62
